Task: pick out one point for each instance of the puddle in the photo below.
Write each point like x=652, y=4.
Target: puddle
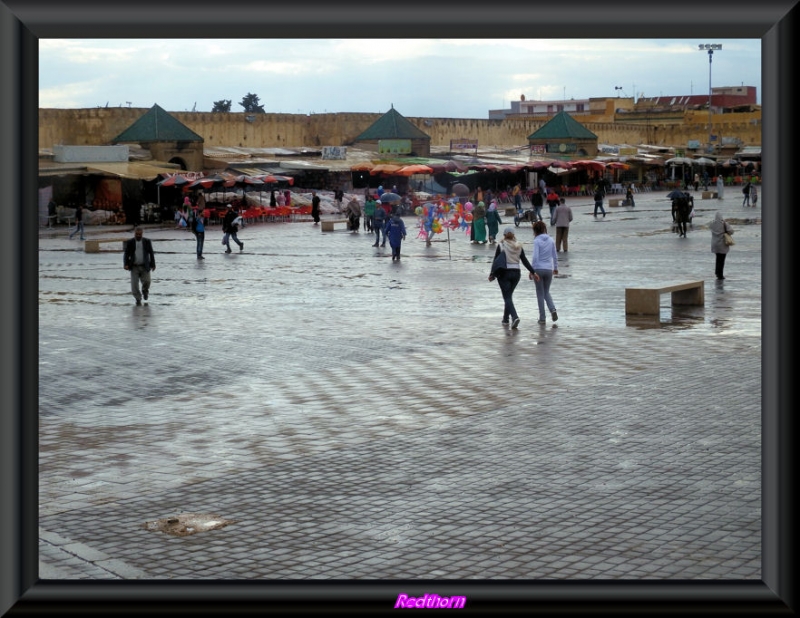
x=187, y=524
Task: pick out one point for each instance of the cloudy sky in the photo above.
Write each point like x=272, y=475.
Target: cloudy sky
x=456, y=78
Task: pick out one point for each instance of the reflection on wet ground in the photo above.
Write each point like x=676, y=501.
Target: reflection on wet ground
x=309, y=384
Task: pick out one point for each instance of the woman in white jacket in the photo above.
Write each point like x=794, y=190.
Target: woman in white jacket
x=508, y=277
x=545, y=265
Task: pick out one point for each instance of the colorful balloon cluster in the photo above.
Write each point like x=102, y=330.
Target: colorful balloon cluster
x=434, y=217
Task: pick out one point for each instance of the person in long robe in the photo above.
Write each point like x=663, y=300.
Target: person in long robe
x=493, y=222
x=479, y=223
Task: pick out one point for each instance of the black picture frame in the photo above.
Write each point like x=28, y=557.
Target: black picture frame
x=23, y=23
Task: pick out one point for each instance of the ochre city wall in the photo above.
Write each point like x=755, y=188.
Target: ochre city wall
x=99, y=126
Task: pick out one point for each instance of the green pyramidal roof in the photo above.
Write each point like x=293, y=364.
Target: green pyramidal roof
x=392, y=125
x=157, y=126
x=561, y=126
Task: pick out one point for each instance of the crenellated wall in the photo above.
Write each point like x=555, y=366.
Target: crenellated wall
x=98, y=126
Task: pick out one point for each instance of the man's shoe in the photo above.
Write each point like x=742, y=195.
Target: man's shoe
x=227, y=250
x=138, y=302
x=241, y=247
x=515, y=323
x=555, y=316
x=542, y=322
x=504, y=322
x=375, y=245
x=144, y=295
x=200, y=257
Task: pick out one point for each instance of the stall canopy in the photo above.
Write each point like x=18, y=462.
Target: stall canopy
x=136, y=170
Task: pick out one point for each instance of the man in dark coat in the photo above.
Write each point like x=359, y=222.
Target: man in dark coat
x=140, y=260
x=315, y=207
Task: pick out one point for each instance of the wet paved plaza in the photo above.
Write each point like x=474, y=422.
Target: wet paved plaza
x=357, y=418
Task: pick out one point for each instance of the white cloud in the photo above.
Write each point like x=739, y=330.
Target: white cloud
x=422, y=77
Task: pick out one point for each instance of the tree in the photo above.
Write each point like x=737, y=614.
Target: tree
x=250, y=104
x=223, y=105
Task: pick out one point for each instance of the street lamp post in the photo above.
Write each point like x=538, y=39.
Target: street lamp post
x=710, y=47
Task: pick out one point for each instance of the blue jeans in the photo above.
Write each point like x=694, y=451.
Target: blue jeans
x=226, y=240
x=508, y=280
x=538, y=211
x=543, y=291
x=201, y=236
x=600, y=206
x=78, y=228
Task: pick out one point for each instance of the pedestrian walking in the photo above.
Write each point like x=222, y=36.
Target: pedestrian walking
x=629, y=195
x=379, y=225
x=78, y=223
x=746, y=192
x=753, y=195
x=315, y=207
x=509, y=276
x=353, y=211
x=493, y=222
x=230, y=229
x=553, y=200
x=396, y=233
x=598, y=201
x=545, y=265
x=719, y=227
x=720, y=186
x=561, y=219
x=199, y=231
x=140, y=259
x=479, y=223
x=537, y=201
x=516, y=193
x=369, y=211
x=542, y=187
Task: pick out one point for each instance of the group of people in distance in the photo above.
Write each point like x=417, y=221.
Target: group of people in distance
x=387, y=224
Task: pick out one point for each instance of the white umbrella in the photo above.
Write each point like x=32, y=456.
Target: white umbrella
x=679, y=161
x=703, y=161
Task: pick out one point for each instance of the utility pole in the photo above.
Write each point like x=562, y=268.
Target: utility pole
x=710, y=47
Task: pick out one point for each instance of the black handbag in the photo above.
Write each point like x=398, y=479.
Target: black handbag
x=498, y=263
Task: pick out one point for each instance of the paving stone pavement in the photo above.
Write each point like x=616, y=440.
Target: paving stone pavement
x=358, y=418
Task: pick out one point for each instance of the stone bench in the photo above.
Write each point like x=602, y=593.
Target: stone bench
x=614, y=202
x=709, y=195
x=93, y=245
x=647, y=301
x=328, y=226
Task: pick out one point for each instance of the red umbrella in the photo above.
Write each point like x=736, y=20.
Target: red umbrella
x=272, y=179
x=597, y=166
x=175, y=180
x=409, y=170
